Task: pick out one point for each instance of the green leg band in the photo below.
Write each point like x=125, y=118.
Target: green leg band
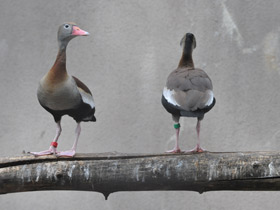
x=177, y=125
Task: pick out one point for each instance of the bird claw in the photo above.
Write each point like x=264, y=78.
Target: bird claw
x=175, y=150
x=69, y=153
x=197, y=149
x=50, y=151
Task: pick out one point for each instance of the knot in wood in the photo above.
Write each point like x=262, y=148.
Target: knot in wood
x=59, y=174
x=256, y=165
x=157, y=170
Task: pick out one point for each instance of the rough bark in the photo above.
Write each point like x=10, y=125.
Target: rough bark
x=111, y=172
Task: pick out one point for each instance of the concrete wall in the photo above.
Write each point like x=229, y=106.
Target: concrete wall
x=125, y=62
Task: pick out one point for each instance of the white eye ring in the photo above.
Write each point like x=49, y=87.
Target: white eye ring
x=66, y=26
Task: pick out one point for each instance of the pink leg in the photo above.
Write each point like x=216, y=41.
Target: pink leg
x=52, y=149
x=71, y=152
x=176, y=148
x=198, y=148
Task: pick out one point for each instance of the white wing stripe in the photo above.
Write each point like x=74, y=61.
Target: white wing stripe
x=87, y=98
x=168, y=95
x=211, y=98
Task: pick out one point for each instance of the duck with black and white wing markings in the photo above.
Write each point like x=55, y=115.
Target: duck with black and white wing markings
x=188, y=92
x=61, y=94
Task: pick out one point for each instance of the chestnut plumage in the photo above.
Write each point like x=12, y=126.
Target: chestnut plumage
x=61, y=94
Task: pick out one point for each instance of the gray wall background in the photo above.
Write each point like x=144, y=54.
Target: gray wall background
x=133, y=47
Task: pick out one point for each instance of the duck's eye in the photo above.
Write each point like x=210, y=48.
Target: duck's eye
x=66, y=26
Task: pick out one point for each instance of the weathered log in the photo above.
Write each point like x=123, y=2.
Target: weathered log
x=111, y=172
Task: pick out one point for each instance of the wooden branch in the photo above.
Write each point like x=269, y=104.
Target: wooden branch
x=112, y=172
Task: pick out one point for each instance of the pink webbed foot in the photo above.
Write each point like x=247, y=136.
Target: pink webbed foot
x=175, y=150
x=50, y=151
x=197, y=149
x=68, y=153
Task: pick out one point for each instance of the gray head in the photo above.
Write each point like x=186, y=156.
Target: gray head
x=68, y=31
x=188, y=42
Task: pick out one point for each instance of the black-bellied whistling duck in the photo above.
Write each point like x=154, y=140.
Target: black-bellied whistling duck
x=62, y=94
x=188, y=92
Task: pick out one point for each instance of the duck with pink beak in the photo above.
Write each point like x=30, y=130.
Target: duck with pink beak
x=76, y=31
x=61, y=94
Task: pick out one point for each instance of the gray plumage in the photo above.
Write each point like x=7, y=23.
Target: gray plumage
x=191, y=88
x=188, y=91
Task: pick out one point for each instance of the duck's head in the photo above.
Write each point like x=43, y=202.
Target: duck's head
x=68, y=31
x=188, y=42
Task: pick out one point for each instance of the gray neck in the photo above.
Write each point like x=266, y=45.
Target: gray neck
x=62, y=45
x=61, y=55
